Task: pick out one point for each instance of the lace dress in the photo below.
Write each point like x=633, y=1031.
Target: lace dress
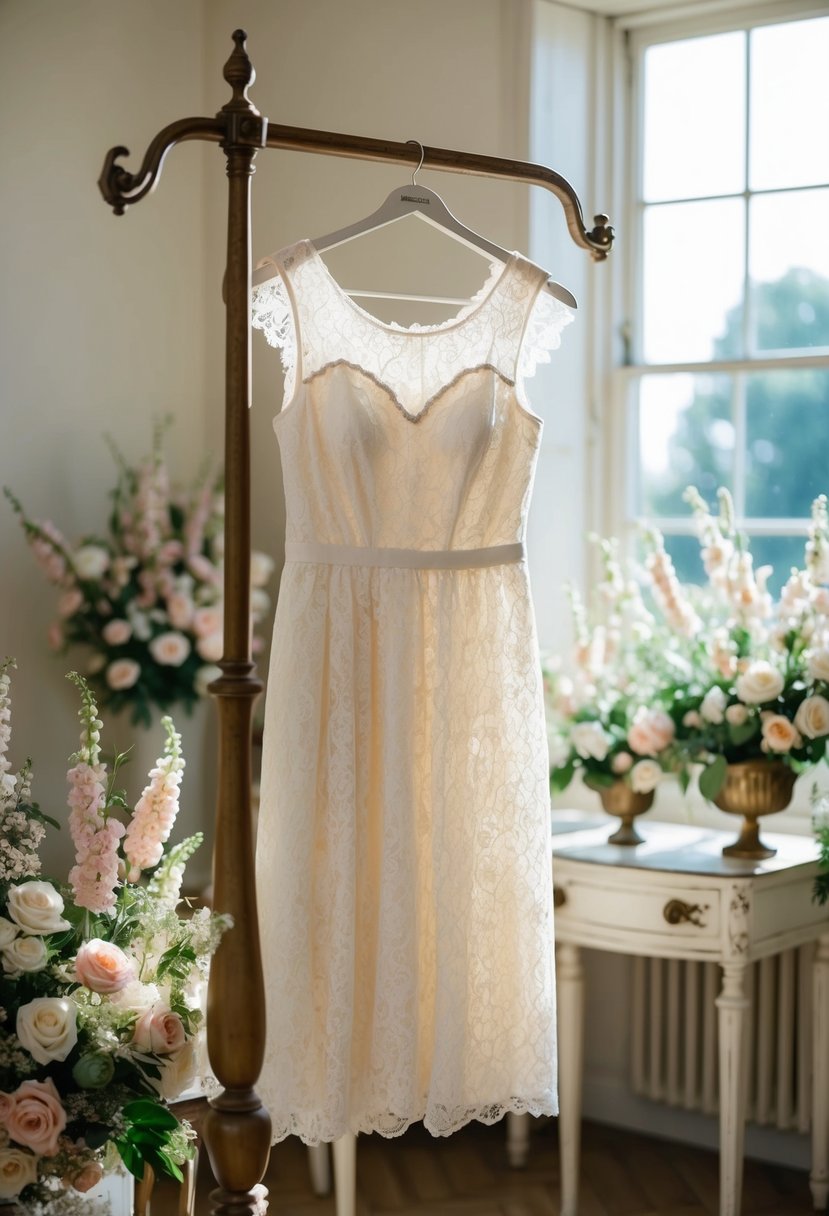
x=403, y=855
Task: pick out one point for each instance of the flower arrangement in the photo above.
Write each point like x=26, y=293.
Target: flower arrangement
x=760, y=670
x=146, y=595
x=608, y=716
x=669, y=677
x=102, y=979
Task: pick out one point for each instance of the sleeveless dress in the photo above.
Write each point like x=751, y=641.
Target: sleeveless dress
x=403, y=854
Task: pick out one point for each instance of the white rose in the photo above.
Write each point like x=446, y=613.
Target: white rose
x=645, y=776
x=204, y=676
x=812, y=717
x=140, y=623
x=90, y=561
x=736, y=715
x=759, y=683
x=123, y=673
x=713, y=705
x=179, y=1072
x=8, y=932
x=47, y=1028
x=24, y=954
x=261, y=568
x=136, y=997
x=17, y=1170
x=36, y=907
x=170, y=649
x=819, y=665
x=590, y=740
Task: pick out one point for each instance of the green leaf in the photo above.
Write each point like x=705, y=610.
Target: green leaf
x=131, y=1157
x=742, y=734
x=684, y=778
x=711, y=779
x=150, y=1114
x=599, y=781
x=560, y=778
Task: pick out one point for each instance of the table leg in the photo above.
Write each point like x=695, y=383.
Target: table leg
x=345, y=1174
x=518, y=1139
x=819, y=1177
x=733, y=1005
x=570, y=981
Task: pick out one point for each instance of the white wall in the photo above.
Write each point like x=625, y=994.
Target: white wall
x=100, y=317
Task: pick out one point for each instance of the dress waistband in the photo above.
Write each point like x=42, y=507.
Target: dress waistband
x=408, y=559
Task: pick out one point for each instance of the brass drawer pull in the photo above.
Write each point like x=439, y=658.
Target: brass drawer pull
x=559, y=897
x=676, y=911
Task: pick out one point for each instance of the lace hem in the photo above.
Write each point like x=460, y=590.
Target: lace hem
x=439, y=1121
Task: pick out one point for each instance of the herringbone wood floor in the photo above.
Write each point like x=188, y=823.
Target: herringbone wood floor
x=468, y=1175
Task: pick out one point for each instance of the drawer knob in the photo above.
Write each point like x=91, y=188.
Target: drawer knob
x=677, y=912
x=559, y=897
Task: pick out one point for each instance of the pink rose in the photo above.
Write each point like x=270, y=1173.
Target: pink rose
x=207, y=621
x=85, y=1179
x=622, y=762
x=169, y=649
x=211, y=648
x=6, y=1107
x=116, y=632
x=55, y=635
x=69, y=602
x=652, y=730
x=123, y=673
x=103, y=967
x=159, y=1030
x=180, y=610
x=38, y=1118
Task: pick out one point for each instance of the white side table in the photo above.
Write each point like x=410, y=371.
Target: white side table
x=677, y=897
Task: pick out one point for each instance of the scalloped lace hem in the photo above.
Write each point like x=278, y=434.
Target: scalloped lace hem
x=438, y=1121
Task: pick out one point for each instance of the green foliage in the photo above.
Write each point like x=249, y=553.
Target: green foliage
x=712, y=777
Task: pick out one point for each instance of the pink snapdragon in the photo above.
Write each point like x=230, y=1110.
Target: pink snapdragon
x=156, y=809
x=667, y=590
x=95, y=835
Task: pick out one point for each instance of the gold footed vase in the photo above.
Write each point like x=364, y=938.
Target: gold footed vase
x=752, y=789
x=620, y=800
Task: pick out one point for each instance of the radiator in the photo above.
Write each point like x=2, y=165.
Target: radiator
x=674, y=1039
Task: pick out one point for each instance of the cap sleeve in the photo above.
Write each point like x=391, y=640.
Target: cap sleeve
x=272, y=313
x=548, y=318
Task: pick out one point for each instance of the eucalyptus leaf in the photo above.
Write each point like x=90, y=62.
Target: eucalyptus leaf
x=712, y=778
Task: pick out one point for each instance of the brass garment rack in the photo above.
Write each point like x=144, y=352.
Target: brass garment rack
x=237, y=1127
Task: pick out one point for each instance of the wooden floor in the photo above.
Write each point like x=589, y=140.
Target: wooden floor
x=468, y=1175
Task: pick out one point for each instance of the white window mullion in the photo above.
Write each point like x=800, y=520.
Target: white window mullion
x=738, y=404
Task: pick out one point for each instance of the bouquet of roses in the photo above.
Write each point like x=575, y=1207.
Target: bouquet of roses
x=102, y=980
x=759, y=686
x=608, y=708
x=146, y=596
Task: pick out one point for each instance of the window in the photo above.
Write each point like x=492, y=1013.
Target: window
x=728, y=375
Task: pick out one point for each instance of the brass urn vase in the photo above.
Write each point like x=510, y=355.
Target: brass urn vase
x=754, y=788
x=620, y=800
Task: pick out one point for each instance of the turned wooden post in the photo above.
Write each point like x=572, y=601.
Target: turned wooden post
x=237, y=1127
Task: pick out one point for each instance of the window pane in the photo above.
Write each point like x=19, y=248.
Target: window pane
x=789, y=267
x=779, y=552
x=694, y=118
x=787, y=439
x=686, y=437
x=693, y=281
x=789, y=144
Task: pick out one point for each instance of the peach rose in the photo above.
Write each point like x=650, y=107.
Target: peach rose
x=736, y=715
x=211, y=648
x=17, y=1170
x=622, y=762
x=85, y=1179
x=103, y=967
x=69, y=602
x=170, y=649
x=6, y=1106
x=116, y=632
x=207, y=621
x=812, y=717
x=160, y=1031
x=123, y=673
x=651, y=732
x=779, y=734
x=38, y=1118
x=180, y=610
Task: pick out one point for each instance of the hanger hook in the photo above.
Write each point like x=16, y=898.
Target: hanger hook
x=420, y=165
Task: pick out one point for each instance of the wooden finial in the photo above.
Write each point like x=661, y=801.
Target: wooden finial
x=240, y=75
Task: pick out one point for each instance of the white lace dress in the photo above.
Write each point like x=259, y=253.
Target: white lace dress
x=403, y=856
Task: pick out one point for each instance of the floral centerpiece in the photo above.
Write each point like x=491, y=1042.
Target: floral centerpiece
x=760, y=669
x=146, y=594
x=101, y=984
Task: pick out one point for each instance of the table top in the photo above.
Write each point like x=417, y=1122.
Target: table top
x=676, y=848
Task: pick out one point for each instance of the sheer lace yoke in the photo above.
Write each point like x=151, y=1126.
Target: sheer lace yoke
x=507, y=328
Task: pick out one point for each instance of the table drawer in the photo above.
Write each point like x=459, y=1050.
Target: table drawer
x=671, y=910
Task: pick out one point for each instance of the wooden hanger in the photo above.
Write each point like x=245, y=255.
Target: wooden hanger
x=413, y=199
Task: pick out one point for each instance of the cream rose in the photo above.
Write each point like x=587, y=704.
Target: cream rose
x=123, y=673
x=261, y=568
x=759, y=683
x=779, y=734
x=590, y=740
x=170, y=649
x=103, y=967
x=8, y=932
x=179, y=1072
x=116, y=632
x=90, y=561
x=37, y=1118
x=17, y=1170
x=819, y=665
x=24, y=954
x=160, y=1031
x=812, y=717
x=36, y=907
x=736, y=715
x=652, y=730
x=645, y=776
x=211, y=648
x=712, y=708
x=47, y=1028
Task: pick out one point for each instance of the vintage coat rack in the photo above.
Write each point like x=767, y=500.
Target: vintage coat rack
x=236, y=1127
